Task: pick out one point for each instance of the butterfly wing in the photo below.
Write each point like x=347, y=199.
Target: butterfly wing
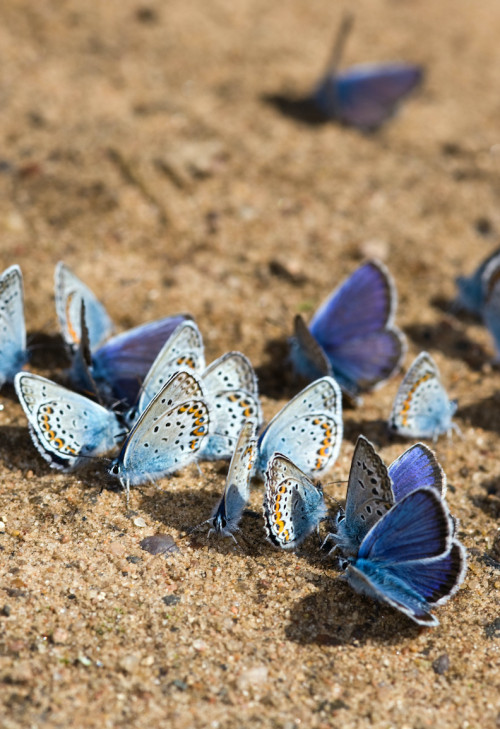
x=167, y=435
x=471, y=288
x=124, y=361
x=306, y=354
x=369, y=497
x=365, y=96
x=69, y=293
x=13, y=352
x=491, y=306
x=408, y=559
x=421, y=408
x=232, y=371
x=293, y=504
x=227, y=515
x=66, y=427
x=183, y=350
x=415, y=468
x=229, y=410
x=307, y=430
x=355, y=330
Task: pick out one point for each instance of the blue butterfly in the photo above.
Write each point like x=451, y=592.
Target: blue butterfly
x=13, y=352
x=168, y=435
x=491, y=303
x=67, y=428
x=373, y=489
x=293, y=504
x=422, y=408
x=308, y=430
x=409, y=558
x=352, y=336
x=471, y=289
x=114, y=370
x=363, y=96
x=227, y=514
x=230, y=387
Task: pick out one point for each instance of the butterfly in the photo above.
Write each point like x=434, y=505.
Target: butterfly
x=13, y=352
x=366, y=95
x=227, y=514
x=422, y=408
x=230, y=387
x=491, y=303
x=67, y=428
x=293, y=504
x=115, y=371
x=352, y=336
x=373, y=489
x=409, y=558
x=168, y=434
x=308, y=430
x=471, y=289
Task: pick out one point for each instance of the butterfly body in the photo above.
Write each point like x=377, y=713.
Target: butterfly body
x=308, y=430
x=13, y=352
x=67, y=428
x=366, y=95
x=422, y=408
x=293, y=504
x=352, y=335
x=409, y=558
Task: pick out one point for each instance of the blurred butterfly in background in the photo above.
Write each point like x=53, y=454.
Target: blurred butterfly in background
x=491, y=302
x=13, y=352
x=293, y=504
x=352, y=336
x=117, y=366
x=409, y=558
x=230, y=387
x=471, y=289
x=366, y=95
x=228, y=512
x=168, y=435
x=422, y=408
x=66, y=428
x=372, y=489
x=307, y=430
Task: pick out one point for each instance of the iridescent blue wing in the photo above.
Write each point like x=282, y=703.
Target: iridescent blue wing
x=471, y=288
x=122, y=363
x=69, y=293
x=67, y=428
x=422, y=408
x=308, y=430
x=227, y=514
x=293, y=504
x=13, y=352
x=409, y=559
x=417, y=467
x=365, y=96
x=416, y=528
x=354, y=329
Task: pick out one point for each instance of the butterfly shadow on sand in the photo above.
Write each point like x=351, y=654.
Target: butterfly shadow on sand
x=334, y=615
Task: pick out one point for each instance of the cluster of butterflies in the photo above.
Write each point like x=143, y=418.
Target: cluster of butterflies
x=148, y=395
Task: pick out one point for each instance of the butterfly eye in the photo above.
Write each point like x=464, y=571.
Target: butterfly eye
x=115, y=469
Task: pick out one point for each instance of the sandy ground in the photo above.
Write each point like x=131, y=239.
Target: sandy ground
x=144, y=145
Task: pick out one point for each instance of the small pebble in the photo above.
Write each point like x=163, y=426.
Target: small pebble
x=139, y=522
x=133, y=559
x=159, y=544
x=441, y=664
x=6, y=611
x=60, y=636
x=85, y=661
x=171, y=599
x=2, y=527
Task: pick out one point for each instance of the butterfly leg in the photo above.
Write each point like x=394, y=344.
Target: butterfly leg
x=329, y=538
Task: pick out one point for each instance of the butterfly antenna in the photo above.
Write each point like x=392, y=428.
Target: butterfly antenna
x=341, y=36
